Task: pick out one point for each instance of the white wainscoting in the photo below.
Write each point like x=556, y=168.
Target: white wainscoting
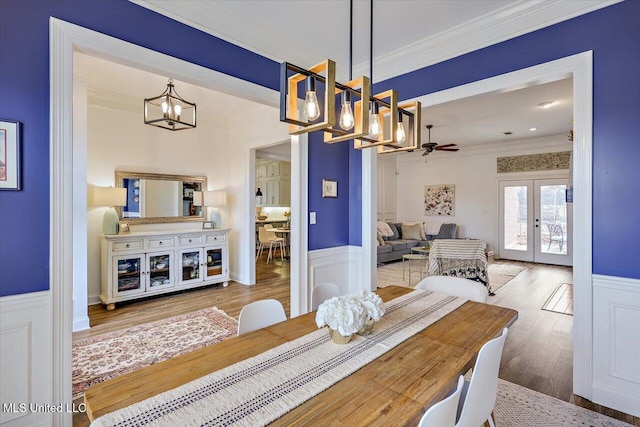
x=340, y=265
x=616, y=343
x=25, y=350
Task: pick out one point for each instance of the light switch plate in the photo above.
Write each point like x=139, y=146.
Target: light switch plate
x=312, y=217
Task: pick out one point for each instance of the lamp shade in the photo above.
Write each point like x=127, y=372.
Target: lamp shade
x=215, y=198
x=109, y=196
x=197, y=198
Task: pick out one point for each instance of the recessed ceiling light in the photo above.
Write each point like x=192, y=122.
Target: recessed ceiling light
x=533, y=129
x=546, y=104
x=508, y=133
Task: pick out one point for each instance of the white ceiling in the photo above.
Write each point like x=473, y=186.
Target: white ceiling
x=408, y=34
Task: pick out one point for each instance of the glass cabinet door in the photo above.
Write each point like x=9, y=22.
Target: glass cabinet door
x=214, y=262
x=190, y=264
x=159, y=271
x=129, y=271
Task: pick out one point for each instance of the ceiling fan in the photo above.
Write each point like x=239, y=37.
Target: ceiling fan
x=431, y=146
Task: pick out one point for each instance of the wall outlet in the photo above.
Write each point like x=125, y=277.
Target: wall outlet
x=312, y=217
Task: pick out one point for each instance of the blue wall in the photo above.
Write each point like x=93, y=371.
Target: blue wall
x=612, y=33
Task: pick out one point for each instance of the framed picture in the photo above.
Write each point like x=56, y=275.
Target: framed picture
x=329, y=188
x=124, y=228
x=207, y=225
x=439, y=200
x=10, y=155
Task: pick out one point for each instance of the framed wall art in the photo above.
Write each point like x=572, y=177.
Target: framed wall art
x=439, y=200
x=329, y=188
x=10, y=173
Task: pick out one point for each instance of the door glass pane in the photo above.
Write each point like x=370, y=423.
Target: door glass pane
x=191, y=265
x=129, y=277
x=515, y=218
x=214, y=262
x=160, y=270
x=553, y=219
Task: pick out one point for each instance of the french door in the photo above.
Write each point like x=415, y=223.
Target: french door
x=535, y=221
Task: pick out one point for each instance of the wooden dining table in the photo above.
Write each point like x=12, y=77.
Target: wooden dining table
x=393, y=390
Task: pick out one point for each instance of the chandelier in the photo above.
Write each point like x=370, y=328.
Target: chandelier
x=169, y=110
x=371, y=120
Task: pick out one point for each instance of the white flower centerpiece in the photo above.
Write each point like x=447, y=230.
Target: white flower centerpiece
x=374, y=310
x=349, y=314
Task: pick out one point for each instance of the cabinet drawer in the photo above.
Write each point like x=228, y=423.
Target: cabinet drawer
x=127, y=245
x=216, y=238
x=161, y=243
x=190, y=240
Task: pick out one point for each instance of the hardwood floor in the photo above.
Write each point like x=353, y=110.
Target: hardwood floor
x=537, y=354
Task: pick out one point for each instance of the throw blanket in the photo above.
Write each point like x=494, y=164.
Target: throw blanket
x=260, y=389
x=459, y=258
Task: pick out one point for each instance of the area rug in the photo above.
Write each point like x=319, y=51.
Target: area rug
x=561, y=300
x=109, y=355
x=391, y=274
x=518, y=406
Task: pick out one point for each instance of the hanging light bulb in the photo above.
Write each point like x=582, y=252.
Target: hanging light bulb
x=178, y=110
x=347, y=120
x=400, y=135
x=311, y=108
x=375, y=128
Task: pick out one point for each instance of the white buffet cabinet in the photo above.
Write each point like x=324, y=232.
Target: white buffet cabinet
x=138, y=265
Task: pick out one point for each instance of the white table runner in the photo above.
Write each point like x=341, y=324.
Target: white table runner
x=259, y=390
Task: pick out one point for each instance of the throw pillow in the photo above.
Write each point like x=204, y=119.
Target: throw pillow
x=396, y=232
x=379, y=239
x=412, y=232
x=432, y=228
x=384, y=229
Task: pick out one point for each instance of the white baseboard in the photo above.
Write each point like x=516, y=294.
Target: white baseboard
x=616, y=343
x=81, y=324
x=26, y=346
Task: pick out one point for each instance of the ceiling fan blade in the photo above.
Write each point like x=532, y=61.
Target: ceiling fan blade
x=447, y=149
x=447, y=145
x=425, y=152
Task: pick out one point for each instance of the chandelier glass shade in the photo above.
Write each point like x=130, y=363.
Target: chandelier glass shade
x=169, y=110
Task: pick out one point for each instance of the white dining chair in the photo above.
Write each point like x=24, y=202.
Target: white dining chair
x=456, y=286
x=260, y=314
x=265, y=241
x=278, y=241
x=323, y=292
x=443, y=413
x=479, y=395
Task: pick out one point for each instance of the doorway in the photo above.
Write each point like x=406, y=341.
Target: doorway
x=535, y=221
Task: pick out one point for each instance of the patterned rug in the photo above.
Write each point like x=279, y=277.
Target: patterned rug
x=561, y=300
x=109, y=355
x=500, y=273
x=518, y=406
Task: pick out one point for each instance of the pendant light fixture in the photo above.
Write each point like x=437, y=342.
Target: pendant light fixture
x=169, y=110
x=362, y=117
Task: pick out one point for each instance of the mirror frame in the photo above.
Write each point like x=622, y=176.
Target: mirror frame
x=120, y=175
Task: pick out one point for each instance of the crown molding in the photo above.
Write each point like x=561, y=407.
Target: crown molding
x=219, y=21
x=506, y=23
x=515, y=19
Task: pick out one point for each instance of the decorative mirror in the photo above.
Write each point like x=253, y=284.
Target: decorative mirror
x=156, y=198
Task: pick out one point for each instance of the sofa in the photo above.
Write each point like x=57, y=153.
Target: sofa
x=392, y=248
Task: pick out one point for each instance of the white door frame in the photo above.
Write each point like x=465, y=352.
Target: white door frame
x=580, y=67
x=64, y=38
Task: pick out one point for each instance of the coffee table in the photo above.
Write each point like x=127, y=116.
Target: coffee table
x=422, y=250
x=411, y=258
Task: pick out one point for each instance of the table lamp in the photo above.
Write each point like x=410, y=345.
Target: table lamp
x=110, y=196
x=215, y=199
